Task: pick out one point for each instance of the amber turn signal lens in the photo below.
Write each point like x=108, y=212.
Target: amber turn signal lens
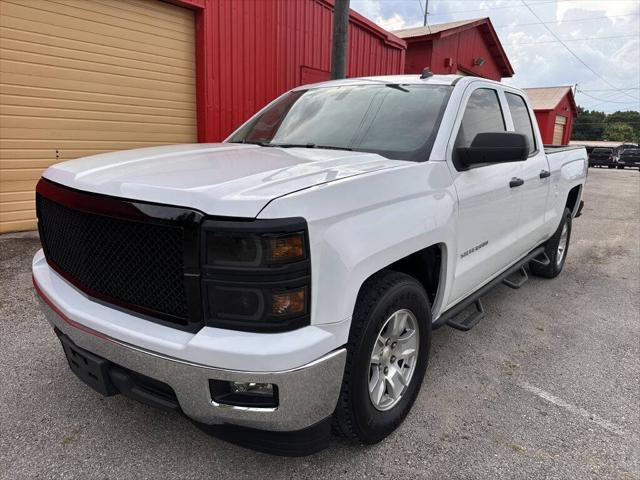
x=289, y=303
x=290, y=247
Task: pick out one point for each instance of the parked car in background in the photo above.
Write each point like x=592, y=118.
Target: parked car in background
x=630, y=157
x=603, y=157
x=289, y=279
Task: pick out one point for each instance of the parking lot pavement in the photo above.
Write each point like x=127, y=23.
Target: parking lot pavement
x=546, y=386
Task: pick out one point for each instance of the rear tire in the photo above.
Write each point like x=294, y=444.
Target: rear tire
x=365, y=412
x=556, y=248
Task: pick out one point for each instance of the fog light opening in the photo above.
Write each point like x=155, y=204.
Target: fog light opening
x=244, y=394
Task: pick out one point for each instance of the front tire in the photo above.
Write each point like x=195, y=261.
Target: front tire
x=387, y=357
x=556, y=249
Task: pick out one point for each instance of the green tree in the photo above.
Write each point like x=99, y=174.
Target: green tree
x=594, y=125
x=631, y=118
x=589, y=125
x=619, y=132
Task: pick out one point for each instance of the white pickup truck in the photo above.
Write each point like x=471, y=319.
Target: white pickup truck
x=288, y=279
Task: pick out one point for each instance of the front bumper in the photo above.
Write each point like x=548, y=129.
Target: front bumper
x=307, y=394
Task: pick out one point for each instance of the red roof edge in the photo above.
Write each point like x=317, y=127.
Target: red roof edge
x=387, y=37
x=502, y=55
x=489, y=32
x=572, y=102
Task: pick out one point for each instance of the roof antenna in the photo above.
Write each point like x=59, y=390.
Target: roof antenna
x=426, y=73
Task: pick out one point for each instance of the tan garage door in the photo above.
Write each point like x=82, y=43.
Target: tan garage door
x=558, y=129
x=80, y=77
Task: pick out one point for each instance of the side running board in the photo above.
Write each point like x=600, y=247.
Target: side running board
x=469, y=322
x=516, y=279
x=542, y=260
x=513, y=277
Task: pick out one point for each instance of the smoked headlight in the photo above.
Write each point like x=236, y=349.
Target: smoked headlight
x=229, y=249
x=256, y=274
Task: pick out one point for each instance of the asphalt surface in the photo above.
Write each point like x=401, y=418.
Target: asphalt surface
x=547, y=386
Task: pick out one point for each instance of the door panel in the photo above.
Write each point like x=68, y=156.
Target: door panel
x=488, y=215
x=488, y=208
x=534, y=191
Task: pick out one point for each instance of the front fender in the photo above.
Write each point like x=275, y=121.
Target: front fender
x=359, y=226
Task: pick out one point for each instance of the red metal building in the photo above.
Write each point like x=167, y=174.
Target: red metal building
x=555, y=110
x=468, y=47
x=248, y=52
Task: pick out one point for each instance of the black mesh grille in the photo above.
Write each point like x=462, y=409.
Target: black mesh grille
x=137, y=263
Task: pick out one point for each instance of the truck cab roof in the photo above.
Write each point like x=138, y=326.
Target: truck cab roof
x=401, y=79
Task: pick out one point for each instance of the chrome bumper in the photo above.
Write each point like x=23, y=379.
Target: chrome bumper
x=307, y=394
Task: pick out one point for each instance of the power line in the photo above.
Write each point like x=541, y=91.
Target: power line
x=577, y=20
x=608, y=89
x=637, y=100
x=608, y=97
x=442, y=14
x=571, y=40
x=568, y=49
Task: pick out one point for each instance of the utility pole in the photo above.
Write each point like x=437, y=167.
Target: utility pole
x=426, y=12
x=340, y=39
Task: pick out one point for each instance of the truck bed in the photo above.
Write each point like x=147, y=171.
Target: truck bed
x=549, y=149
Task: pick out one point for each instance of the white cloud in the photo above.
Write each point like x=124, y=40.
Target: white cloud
x=373, y=9
x=538, y=59
x=395, y=22
x=609, y=8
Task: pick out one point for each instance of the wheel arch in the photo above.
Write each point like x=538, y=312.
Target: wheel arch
x=427, y=265
x=573, y=199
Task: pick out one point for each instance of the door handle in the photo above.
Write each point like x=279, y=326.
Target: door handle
x=516, y=182
x=545, y=173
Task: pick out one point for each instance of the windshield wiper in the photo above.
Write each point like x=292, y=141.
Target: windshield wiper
x=261, y=143
x=305, y=145
x=294, y=145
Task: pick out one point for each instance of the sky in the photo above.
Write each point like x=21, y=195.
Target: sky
x=602, y=69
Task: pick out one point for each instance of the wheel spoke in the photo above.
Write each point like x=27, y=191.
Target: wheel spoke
x=398, y=324
x=374, y=377
x=396, y=384
x=407, y=355
x=407, y=337
x=377, y=390
x=377, y=353
x=375, y=359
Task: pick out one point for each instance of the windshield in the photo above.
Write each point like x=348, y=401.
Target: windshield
x=631, y=151
x=602, y=150
x=396, y=121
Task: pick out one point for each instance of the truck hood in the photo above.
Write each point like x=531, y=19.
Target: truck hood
x=224, y=179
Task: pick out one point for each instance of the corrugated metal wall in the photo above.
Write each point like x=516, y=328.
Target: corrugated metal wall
x=255, y=50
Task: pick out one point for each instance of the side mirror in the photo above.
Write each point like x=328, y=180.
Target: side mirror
x=495, y=147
